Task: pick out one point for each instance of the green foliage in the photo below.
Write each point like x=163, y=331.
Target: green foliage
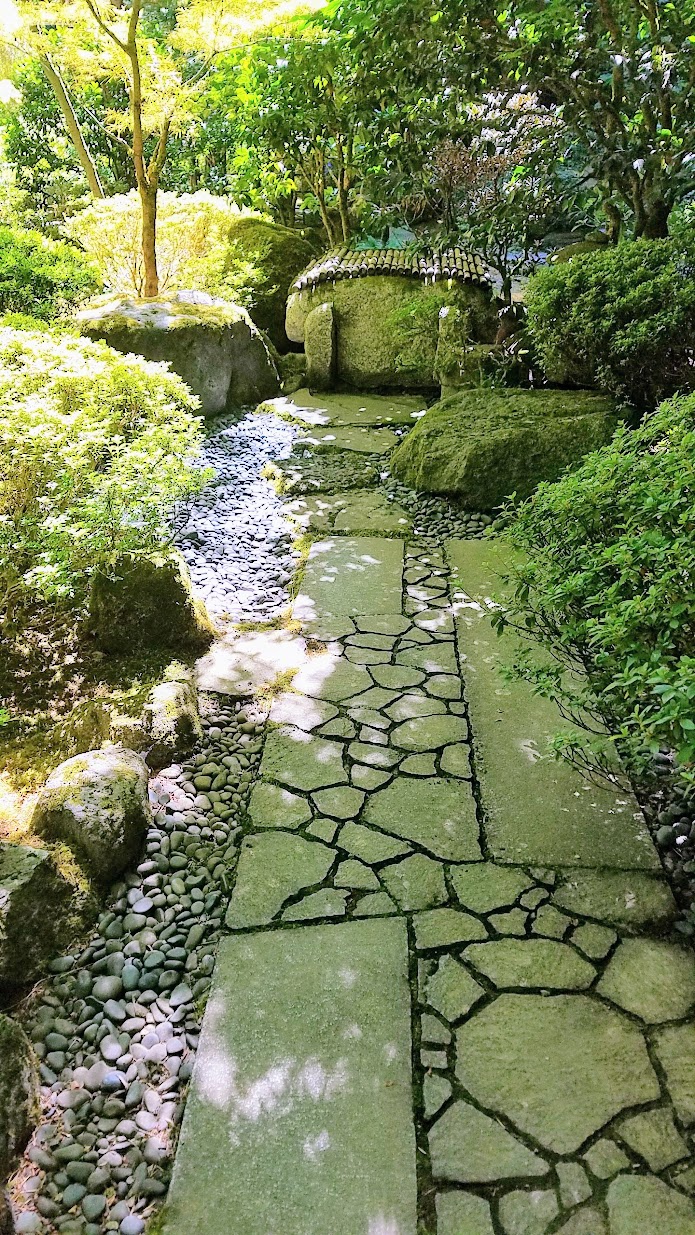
x=42, y=278
x=415, y=326
x=94, y=447
x=622, y=317
x=606, y=582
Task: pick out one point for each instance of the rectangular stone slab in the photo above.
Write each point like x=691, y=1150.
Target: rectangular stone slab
x=350, y=576
x=538, y=809
x=299, y=1120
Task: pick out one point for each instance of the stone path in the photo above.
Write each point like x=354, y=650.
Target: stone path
x=402, y=781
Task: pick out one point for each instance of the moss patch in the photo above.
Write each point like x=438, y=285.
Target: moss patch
x=277, y=255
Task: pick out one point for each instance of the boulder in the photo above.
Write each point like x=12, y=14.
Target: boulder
x=172, y=720
x=147, y=602
x=482, y=446
x=19, y=1094
x=34, y=907
x=459, y=363
x=319, y=345
x=212, y=344
x=275, y=255
x=98, y=804
x=85, y=727
x=387, y=327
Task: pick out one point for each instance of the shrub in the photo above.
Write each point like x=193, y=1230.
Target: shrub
x=192, y=231
x=42, y=278
x=621, y=318
x=607, y=584
x=94, y=446
x=276, y=255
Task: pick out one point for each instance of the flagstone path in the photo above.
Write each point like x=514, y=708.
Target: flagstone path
x=447, y=999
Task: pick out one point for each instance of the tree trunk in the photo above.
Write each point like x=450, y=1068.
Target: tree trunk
x=656, y=215
x=148, y=201
x=73, y=126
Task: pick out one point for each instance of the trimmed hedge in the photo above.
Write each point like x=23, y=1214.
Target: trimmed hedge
x=622, y=319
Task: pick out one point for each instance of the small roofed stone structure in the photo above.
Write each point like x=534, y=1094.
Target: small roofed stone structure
x=372, y=319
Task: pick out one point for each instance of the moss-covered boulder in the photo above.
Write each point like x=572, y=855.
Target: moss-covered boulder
x=276, y=255
x=387, y=327
x=98, y=805
x=19, y=1094
x=212, y=344
x=35, y=902
x=482, y=446
x=172, y=719
x=147, y=602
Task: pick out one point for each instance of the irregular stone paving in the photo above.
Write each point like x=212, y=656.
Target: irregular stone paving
x=552, y=1031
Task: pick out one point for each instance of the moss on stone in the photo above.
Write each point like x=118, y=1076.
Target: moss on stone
x=277, y=255
x=19, y=1093
x=115, y=313
x=482, y=446
x=147, y=602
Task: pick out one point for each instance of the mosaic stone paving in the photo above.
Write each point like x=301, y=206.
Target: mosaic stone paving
x=553, y=1040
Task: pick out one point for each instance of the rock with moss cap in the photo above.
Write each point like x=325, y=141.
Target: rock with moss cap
x=212, y=344
x=172, y=718
x=34, y=907
x=275, y=256
x=98, y=804
x=482, y=446
x=19, y=1095
x=147, y=602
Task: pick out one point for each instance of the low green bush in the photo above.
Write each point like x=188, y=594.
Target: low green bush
x=606, y=582
x=94, y=447
x=42, y=278
x=622, y=318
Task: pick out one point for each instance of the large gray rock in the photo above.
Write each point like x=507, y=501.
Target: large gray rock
x=19, y=1094
x=172, y=720
x=147, y=602
x=212, y=344
x=34, y=904
x=319, y=345
x=98, y=804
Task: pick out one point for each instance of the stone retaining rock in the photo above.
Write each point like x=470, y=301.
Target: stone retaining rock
x=98, y=804
x=147, y=602
x=212, y=344
x=34, y=901
x=19, y=1093
x=173, y=720
x=320, y=347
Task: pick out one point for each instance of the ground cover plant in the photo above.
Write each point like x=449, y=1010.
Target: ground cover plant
x=607, y=584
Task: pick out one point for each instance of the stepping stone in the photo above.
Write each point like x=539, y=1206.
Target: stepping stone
x=373, y=756
x=605, y=1160
x=301, y=712
x=648, y=1206
x=651, y=979
x=458, y=1213
x=434, y=658
x=340, y=803
x=594, y=941
x=587, y=1221
x=362, y=440
x=377, y=903
x=524, y=1054
x=273, y=807
x=485, y=887
x=540, y=963
x=301, y=761
x=455, y=761
x=332, y=678
x=410, y=706
x=354, y=874
x=397, y=677
x=350, y=576
x=469, y=1147
x=624, y=898
x=383, y=623
x=540, y=810
x=430, y=732
x=240, y=665
x=368, y=778
x=554, y=925
x=328, y=903
x=443, y=686
x=436, y=928
x=371, y=847
x=574, y=1184
x=654, y=1136
x=344, y=409
x=439, y=815
x=418, y=765
x=528, y=1213
x=436, y=1090
x=288, y=1106
x=451, y=990
x=369, y=511
x=675, y=1050
x=415, y=883
x=272, y=867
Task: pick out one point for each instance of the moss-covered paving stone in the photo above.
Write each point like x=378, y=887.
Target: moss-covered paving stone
x=419, y=765
x=467, y=1146
x=604, y=1159
x=524, y=1054
x=289, y=1105
x=585, y=1221
x=302, y=761
x=354, y=874
x=415, y=883
x=374, y=756
x=410, y=706
x=639, y=1205
x=368, y=845
x=675, y=1050
x=348, y=576
x=451, y=990
x=272, y=867
x=436, y=1090
x=543, y=964
x=651, y=979
x=437, y=814
x=435, y=657
x=593, y=940
x=331, y=678
x=369, y=511
x=342, y=802
x=271, y=806
x=618, y=898
x=552, y=924
x=485, y=887
x=363, y=440
x=430, y=732
x=528, y=1212
x=459, y=1213
x=436, y=928
x=375, y=903
x=328, y=903
x=368, y=778
x=300, y=711
x=654, y=1136
x=397, y=677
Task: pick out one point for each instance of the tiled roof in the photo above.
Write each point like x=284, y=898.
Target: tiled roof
x=344, y=263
